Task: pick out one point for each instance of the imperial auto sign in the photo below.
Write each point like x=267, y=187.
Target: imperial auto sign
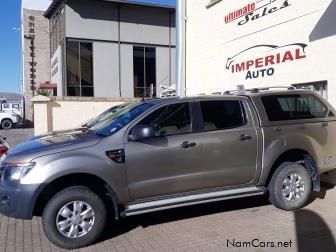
x=264, y=62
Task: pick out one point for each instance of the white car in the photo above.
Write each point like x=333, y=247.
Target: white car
x=8, y=120
x=11, y=108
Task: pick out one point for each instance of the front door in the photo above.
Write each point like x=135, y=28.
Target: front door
x=229, y=143
x=168, y=163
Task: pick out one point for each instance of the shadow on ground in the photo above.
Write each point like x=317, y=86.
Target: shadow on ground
x=306, y=221
x=313, y=233
x=145, y=220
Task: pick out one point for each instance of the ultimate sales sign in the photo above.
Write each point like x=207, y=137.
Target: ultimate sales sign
x=255, y=10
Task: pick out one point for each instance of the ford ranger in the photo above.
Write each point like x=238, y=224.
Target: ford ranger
x=166, y=153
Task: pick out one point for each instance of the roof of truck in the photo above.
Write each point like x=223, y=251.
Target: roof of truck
x=248, y=93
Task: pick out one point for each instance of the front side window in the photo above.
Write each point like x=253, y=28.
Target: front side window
x=116, y=121
x=170, y=120
x=79, y=68
x=15, y=106
x=293, y=107
x=225, y=114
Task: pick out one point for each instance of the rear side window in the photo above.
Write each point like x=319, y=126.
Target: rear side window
x=293, y=107
x=218, y=115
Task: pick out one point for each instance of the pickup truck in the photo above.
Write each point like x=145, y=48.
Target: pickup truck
x=8, y=120
x=166, y=153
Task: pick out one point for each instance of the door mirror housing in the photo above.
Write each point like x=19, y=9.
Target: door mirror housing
x=140, y=132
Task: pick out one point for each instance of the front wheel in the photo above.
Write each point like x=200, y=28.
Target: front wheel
x=6, y=124
x=290, y=187
x=74, y=218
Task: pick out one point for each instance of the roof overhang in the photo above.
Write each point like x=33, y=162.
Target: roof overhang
x=57, y=3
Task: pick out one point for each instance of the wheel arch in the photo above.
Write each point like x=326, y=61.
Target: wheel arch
x=298, y=156
x=95, y=183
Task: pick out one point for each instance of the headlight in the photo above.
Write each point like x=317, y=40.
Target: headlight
x=15, y=171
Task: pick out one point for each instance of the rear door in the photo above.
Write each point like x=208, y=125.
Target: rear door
x=229, y=143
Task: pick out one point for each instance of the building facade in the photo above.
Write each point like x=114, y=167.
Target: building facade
x=35, y=56
x=111, y=48
x=259, y=44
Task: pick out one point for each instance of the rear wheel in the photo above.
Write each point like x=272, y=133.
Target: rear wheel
x=74, y=218
x=6, y=124
x=290, y=186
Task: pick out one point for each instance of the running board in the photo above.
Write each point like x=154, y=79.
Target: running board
x=163, y=204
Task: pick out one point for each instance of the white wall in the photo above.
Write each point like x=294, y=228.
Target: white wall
x=211, y=41
x=36, y=4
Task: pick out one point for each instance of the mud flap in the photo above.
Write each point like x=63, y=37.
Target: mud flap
x=313, y=172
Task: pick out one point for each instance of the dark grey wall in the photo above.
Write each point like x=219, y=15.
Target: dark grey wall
x=326, y=26
x=98, y=21
x=83, y=21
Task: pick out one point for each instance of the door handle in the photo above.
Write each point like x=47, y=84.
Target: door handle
x=245, y=137
x=277, y=129
x=186, y=145
x=302, y=126
x=324, y=124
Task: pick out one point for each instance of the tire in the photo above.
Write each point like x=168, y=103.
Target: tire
x=281, y=189
x=94, y=225
x=6, y=124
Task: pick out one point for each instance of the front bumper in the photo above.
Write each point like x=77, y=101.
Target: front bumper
x=18, y=200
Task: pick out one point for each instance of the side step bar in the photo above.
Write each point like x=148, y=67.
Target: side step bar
x=162, y=204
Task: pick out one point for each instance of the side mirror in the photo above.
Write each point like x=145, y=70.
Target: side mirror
x=140, y=132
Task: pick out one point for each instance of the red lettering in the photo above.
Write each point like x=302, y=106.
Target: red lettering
x=259, y=62
x=239, y=67
x=249, y=64
x=287, y=56
x=278, y=58
x=298, y=54
x=269, y=60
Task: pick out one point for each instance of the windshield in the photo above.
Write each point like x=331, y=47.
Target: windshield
x=119, y=119
x=106, y=114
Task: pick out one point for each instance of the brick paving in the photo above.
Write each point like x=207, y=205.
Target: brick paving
x=199, y=228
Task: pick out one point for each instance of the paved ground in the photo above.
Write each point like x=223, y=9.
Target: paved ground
x=200, y=228
x=16, y=136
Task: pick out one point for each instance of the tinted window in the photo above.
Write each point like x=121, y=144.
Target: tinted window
x=79, y=68
x=120, y=118
x=170, y=120
x=292, y=107
x=219, y=115
x=144, y=68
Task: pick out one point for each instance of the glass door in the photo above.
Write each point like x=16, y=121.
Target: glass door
x=144, y=67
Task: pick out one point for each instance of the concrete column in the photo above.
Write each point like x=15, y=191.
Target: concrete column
x=42, y=114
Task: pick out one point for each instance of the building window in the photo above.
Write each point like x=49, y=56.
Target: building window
x=318, y=86
x=57, y=30
x=79, y=69
x=144, y=67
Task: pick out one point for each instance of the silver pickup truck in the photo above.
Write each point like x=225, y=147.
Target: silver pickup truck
x=167, y=153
